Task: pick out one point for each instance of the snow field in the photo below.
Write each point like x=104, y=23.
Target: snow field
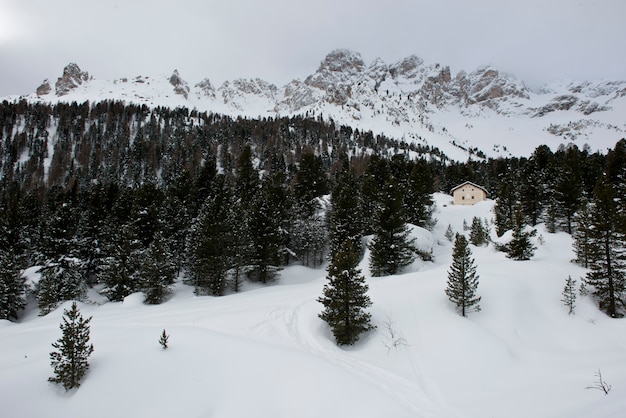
x=265, y=353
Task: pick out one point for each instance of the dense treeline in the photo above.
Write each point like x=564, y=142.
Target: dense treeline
x=128, y=198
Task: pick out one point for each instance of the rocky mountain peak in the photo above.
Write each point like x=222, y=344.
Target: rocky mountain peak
x=180, y=85
x=44, y=88
x=487, y=84
x=206, y=88
x=72, y=77
x=340, y=66
x=408, y=68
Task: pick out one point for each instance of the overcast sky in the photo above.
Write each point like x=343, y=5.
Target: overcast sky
x=279, y=40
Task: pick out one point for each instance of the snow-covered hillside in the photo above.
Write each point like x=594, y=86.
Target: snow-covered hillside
x=484, y=111
x=265, y=353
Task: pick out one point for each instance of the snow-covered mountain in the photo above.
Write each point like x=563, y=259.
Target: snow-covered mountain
x=483, y=110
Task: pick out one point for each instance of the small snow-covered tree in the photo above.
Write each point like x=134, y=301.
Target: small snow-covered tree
x=462, y=278
x=163, y=339
x=521, y=248
x=449, y=234
x=478, y=235
x=345, y=297
x=569, y=294
x=73, y=349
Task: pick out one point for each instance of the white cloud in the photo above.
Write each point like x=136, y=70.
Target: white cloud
x=278, y=40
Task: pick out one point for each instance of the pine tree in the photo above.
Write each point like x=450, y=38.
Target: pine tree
x=449, y=234
x=240, y=242
x=163, y=339
x=70, y=361
x=345, y=220
x=118, y=271
x=210, y=243
x=391, y=249
x=309, y=183
x=345, y=297
x=157, y=272
x=568, y=189
x=607, y=250
x=12, y=286
x=521, y=248
x=462, y=278
x=417, y=201
x=569, y=294
x=478, y=235
x=583, y=222
x=504, y=208
x=268, y=225
x=60, y=281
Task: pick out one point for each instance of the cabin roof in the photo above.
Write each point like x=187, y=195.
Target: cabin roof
x=470, y=183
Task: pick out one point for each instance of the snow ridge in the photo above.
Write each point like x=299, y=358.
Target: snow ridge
x=468, y=115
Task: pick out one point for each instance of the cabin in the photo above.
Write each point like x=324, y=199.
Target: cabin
x=468, y=193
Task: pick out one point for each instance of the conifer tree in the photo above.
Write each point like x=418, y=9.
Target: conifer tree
x=60, y=281
x=449, y=234
x=309, y=183
x=521, y=248
x=70, y=361
x=268, y=225
x=163, y=339
x=568, y=189
x=345, y=297
x=583, y=223
x=607, y=250
x=478, y=235
x=209, y=244
x=569, y=294
x=345, y=221
x=505, y=204
x=119, y=268
x=174, y=222
x=240, y=242
x=157, y=271
x=12, y=286
x=391, y=248
x=462, y=278
x=417, y=201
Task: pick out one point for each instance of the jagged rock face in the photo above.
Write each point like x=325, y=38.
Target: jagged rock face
x=490, y=84
x=237, y=92
x=72, y=78
x=339, y=67
x=436, y=87
x=567, y=102
x=206, y=88
x=404, y=92
x=180, y=85
x=409, y=68
x=298, y=95
x=44, y=89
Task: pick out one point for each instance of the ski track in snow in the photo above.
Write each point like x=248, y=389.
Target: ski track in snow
x=289, y=324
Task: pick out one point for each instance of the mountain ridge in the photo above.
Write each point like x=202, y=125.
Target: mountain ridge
x=409, y=100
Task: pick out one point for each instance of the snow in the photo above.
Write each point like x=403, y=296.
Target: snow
x=510, y=126
x=265, y=353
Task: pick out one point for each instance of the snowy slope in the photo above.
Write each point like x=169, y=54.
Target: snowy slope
x=265, y=353
x=485, y=110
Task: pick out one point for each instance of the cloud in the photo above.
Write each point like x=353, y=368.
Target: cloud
x=279, y=40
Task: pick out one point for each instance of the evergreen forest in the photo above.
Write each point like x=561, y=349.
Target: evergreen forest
x=129, y=198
